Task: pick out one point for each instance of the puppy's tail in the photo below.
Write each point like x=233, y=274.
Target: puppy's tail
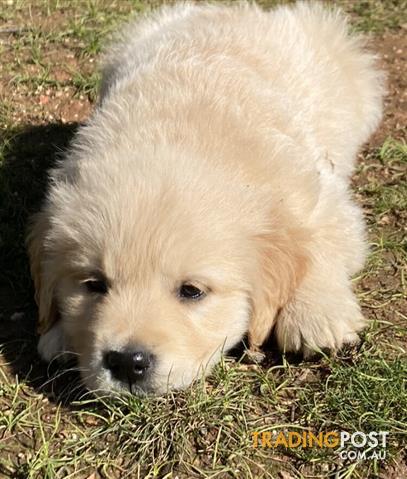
x=344, y=78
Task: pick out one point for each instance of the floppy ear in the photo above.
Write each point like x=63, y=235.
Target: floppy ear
x=44, y=286
x=282, y=264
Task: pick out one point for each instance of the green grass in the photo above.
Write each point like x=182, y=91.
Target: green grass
x=394, y=152
x=207, y=429
x=388, y=193
x=376, y=16
x=48, y=431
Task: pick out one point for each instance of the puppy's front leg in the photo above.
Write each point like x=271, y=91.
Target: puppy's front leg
x=322, y=314
x=261, y=325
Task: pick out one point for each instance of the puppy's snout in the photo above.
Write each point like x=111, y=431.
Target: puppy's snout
x=130, y=366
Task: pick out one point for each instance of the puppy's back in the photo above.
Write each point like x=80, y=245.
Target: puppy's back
x=294, y=70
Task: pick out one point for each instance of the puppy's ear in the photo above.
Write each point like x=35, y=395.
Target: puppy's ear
x=44, y=286
x=282, y=264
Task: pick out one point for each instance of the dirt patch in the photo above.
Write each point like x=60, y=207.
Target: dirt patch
x=392, y=48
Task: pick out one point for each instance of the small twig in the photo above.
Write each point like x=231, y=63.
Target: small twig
x=12, y=30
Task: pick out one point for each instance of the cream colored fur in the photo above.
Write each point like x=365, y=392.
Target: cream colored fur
x=220, y=152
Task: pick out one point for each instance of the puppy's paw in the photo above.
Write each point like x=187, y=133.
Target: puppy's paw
x=254, y=355
x=315, y=328
x=51, y=345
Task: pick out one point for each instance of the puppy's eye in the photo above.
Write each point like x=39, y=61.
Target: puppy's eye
x=98, y=286
x=189, y=291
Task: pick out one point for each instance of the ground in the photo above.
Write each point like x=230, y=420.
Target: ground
x=48, y=429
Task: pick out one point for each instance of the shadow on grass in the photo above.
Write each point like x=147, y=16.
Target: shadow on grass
x=25, y=156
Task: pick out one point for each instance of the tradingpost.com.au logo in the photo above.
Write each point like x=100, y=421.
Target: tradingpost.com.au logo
x=352, y=446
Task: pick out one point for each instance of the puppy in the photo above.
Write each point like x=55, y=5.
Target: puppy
x=208, y=196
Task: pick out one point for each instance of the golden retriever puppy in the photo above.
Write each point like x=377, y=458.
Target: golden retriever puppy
x=208, y=196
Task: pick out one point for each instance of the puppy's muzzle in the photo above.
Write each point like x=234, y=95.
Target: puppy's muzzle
x=131, y=367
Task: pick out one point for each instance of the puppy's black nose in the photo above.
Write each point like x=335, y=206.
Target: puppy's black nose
x=127, y=366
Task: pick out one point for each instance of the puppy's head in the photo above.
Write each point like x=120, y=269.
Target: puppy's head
x=152, y=279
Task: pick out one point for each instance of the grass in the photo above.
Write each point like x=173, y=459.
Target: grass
x=49, y=430
x=207, y=429
x=391, y=196
x=377, y=15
